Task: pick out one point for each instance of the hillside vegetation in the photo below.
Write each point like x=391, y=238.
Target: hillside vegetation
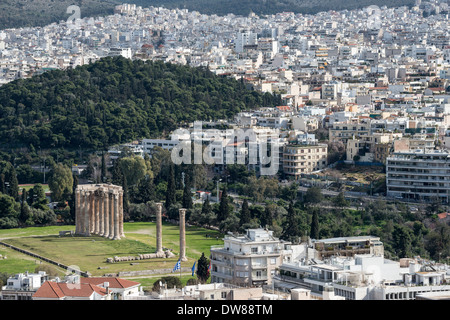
x=116, y=100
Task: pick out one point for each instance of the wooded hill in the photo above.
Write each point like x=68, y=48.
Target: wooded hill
x=116, y=100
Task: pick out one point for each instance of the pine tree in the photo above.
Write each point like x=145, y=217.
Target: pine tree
x=72, y=197
x=245, y=213
x=315, y=225
x=126, y=198
x=202, y=269
x=223, y=206
x=171, y=190
x=291, y=230
x=266, y=218
x=13, y=189
x=146, y=190
x=187, y=196
x=25, y=211
x=103, y=169
x=206, y=207
x=117, y=175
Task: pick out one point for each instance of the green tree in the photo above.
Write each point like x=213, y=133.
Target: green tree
x=72, y=198
x=187, y=195
x=203, y=269
x=315, y=224
x=224, y=209
x=61, y=179
x=313, y=196
x=245, y=213
x=146, y=190
x=402, y=241
x=13, y=189
x=38, y=199
x=134, y=168
x=291, y=229
x=170, y=282
x=340, y=201
x=171, y=189
x=25, y=213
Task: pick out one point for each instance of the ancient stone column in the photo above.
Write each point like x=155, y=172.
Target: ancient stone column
x=159, y=249
x=87, y=213
x=111, y=216
x=91, y=212
x=96, y=212
x=81, y=214
x=121, y=233
x=101, y=214
x=77, y=211
x=182, y=234
x=116, y=217
x=106, y=213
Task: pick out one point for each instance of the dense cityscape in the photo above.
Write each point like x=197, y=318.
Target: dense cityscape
x=263, y=157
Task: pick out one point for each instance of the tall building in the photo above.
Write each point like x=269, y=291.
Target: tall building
x=250, y=259
x=419, y=175
x=245, y=39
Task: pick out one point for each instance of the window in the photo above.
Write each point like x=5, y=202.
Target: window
x=223, y=295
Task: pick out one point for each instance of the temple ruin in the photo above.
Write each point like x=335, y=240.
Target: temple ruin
x=99, y=210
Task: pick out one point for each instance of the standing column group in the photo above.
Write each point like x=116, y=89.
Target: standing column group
x=99, y=210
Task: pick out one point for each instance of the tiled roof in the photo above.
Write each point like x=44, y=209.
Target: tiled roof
x=57, y=290
x=115, y=283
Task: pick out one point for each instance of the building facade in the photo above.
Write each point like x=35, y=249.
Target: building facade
x=300, y=159
x=419, y=175
x=248, y=260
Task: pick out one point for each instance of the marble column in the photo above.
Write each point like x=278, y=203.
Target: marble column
x=106, y=213
x=96, y=212
x=92, y=211
x=121, y=233
x=77, y=211
x=101, y=213
x=87, y=213
x=183, y=234
x=111, y=215
x=116, y=217
x=159, y=228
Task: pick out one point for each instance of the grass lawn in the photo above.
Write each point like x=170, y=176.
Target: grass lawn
x=90, y=253
x=16, y=262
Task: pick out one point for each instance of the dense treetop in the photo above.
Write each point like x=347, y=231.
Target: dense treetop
x=116, y=100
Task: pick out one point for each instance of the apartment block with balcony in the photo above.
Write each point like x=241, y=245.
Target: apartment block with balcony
x=303, y=158
x=248, y=260
x=419, y=175
x=342, y=131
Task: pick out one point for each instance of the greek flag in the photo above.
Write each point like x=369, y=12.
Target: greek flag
x=177, y=266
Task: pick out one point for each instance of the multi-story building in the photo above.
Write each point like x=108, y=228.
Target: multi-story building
x=22, y=286
x=342, y=131
x=250, y=259
x=303, y=158
x=419, y=175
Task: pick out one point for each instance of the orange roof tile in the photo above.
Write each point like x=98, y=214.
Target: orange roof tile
x=114, y=282
x=57, y=290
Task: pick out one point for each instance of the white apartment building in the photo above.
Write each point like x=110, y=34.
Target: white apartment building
x=419, y=175
x=245, y=39
x=250, y=259
x=22, y=286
